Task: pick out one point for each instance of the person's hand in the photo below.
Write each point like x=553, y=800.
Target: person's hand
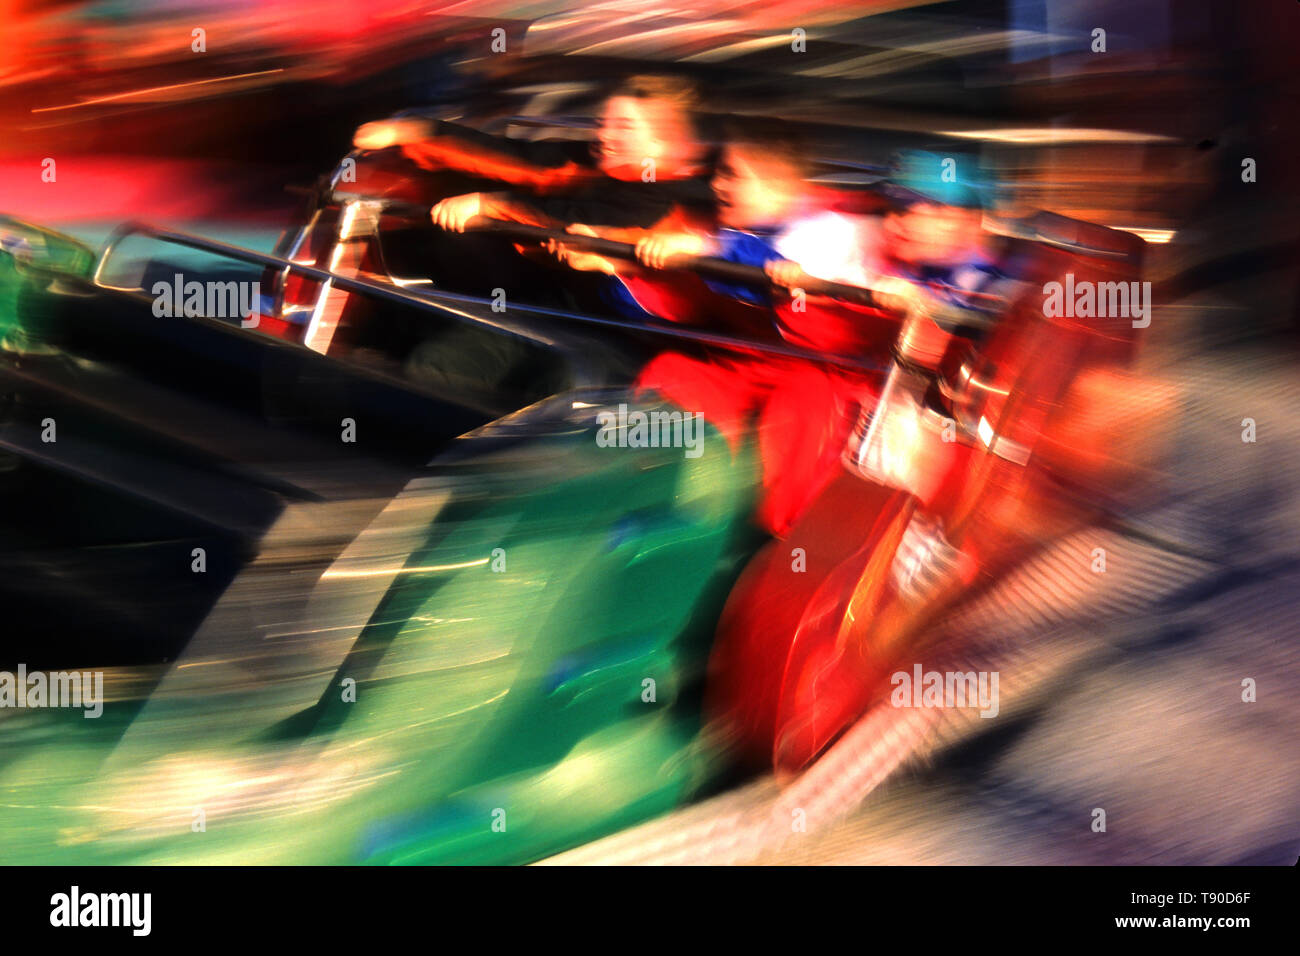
x=454, y=213
x=898, y=295
x=785, y=274
x=385, y=133
x=660, y=250
x=577, y=259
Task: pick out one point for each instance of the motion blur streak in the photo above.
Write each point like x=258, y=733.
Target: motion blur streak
x=153, y=90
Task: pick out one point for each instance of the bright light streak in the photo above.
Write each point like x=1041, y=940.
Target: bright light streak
x=1158, y=236
x=155, y=89
x=385, y=572
x=1039, y=135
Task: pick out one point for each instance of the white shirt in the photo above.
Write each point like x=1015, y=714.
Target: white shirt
x=834, y=247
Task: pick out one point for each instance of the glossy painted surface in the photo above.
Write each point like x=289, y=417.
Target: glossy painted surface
x=531, y=625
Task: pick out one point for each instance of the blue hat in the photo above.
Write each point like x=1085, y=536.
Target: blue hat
x=953, y=179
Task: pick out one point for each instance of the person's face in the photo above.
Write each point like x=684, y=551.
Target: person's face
x=932, y=233
x=753, y=190
x=634, y=130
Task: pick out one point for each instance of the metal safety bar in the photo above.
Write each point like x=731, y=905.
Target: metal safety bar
x=450, y=303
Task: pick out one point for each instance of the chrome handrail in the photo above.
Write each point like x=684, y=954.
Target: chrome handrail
x=449, y=303
x=381, y=290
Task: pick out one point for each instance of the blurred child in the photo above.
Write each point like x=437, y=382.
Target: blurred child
x=647, y=160
x=767, y=216
x=936, y=251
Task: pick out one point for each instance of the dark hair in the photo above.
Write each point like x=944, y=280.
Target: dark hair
x=773, y=138
x=680, y=91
